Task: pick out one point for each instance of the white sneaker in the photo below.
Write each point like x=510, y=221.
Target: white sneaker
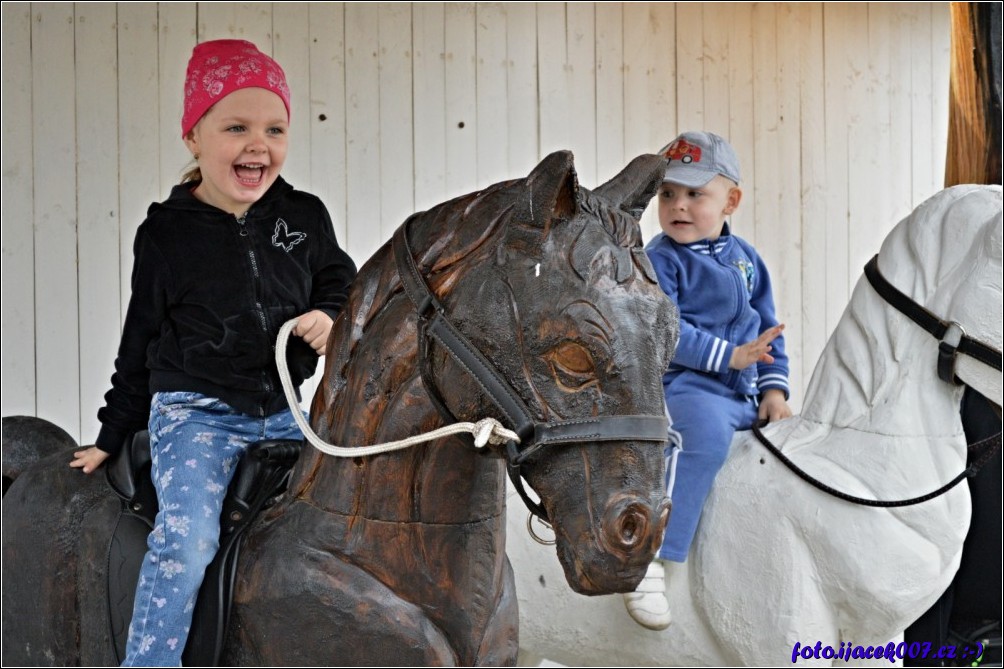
x=648, y=604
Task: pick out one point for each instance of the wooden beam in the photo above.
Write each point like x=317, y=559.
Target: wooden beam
x=974, y=117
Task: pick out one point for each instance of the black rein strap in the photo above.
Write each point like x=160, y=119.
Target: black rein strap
x=947, y=353
x=989, y=446
x=432, y=321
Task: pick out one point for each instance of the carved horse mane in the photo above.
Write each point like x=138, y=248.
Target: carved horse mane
x=458, y=244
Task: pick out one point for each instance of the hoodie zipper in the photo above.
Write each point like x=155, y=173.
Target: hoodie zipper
x=739, y=294
x=736, y=281
x=262, y=320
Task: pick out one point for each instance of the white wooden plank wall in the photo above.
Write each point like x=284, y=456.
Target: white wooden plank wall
x=57, y=322
x=97, y=192
x=837, y=110
x=17, y=289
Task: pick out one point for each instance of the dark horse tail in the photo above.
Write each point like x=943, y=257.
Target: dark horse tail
x=26, y=440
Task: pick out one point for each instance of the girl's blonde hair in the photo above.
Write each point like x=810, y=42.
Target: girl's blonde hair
x=193, y=173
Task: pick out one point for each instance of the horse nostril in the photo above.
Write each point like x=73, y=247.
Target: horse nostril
x=631, y=526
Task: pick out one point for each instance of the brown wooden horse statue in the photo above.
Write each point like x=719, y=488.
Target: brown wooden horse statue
x=399, y=558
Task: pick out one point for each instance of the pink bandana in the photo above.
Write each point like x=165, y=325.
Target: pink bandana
x=220, y=67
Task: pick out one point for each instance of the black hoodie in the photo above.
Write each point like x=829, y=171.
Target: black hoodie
x=209, y=294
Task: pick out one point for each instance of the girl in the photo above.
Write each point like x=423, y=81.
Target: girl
x=232, y=254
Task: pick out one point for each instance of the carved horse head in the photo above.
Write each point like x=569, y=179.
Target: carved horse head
x=550, y=283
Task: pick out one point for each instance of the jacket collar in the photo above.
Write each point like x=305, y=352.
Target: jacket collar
x=182, y=198
x=708, y=246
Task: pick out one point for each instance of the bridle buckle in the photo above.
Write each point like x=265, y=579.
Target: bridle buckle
x=953, y=328
x=948, y=352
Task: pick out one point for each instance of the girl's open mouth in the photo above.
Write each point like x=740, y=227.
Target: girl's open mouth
x=250, y=174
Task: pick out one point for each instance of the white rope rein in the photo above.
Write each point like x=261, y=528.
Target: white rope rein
x=485, y=431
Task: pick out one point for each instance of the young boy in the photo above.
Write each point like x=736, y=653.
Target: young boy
x=730, y=368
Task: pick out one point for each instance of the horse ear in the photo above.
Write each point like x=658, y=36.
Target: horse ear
x=634, y=187
x=553, y=189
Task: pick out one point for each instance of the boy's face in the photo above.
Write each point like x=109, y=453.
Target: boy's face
x=690, y=215
x=241, y=143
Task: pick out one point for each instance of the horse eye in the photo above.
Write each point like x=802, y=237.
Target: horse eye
x=574, y=357
x=572, y=366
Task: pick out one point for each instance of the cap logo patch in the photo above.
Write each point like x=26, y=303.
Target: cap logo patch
x=683, y=151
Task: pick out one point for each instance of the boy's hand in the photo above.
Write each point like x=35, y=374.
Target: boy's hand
x=773, y=405
x=755, y=351
x=89, y=459
x=314, y=327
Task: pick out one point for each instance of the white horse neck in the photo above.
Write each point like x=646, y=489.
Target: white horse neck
x=878, y=375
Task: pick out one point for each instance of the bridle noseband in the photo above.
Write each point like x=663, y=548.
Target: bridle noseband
x=980, y=452
x=434, y=325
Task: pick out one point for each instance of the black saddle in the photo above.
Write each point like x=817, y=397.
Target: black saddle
x=262, y=474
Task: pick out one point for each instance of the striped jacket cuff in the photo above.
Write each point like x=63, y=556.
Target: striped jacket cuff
x=717, y=360
x=773, y=380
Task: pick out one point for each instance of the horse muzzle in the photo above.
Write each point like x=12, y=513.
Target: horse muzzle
x=612, y=556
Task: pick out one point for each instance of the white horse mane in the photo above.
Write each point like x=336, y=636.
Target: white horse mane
x=928, y=255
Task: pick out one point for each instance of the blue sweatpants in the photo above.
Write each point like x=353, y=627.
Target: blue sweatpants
x=707, y=415
x=195, y=442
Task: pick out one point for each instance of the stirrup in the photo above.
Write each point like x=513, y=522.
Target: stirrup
x=648, y=605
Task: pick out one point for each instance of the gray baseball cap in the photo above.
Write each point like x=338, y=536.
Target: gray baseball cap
x=696, y=157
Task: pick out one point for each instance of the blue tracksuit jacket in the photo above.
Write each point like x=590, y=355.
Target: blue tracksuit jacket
x=723, y=290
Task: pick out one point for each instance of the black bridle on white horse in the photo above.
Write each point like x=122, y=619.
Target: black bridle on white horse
x=948, y=352
x=433, y=324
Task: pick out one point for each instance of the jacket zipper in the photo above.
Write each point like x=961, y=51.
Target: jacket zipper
x=262, y=320
x=737, y=282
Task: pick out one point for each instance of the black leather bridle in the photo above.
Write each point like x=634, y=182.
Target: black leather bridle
x=435, y=326
x=948, y=352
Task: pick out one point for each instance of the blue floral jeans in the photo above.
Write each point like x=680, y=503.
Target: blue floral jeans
x=195, y=442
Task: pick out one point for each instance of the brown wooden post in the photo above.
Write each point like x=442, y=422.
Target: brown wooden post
x=974, y=117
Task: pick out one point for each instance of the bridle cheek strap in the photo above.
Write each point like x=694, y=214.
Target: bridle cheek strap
x=949, y=348
x=433, y=324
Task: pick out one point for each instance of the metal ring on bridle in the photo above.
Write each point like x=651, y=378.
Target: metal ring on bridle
x=536, y=537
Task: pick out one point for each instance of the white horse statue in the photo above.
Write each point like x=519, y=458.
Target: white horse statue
x=778, y=562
